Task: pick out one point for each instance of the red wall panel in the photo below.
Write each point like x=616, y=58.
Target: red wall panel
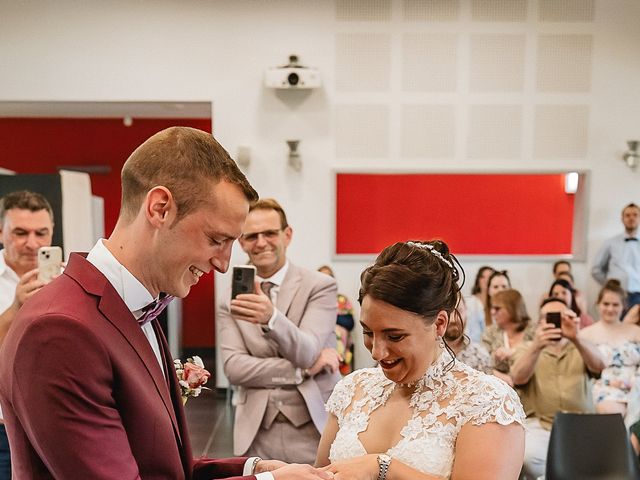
x=40, y=145
x=476, y=214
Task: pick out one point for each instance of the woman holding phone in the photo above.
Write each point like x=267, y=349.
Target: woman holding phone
x=563, y=290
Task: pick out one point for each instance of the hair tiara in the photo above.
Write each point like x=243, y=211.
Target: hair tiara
x=432, y=249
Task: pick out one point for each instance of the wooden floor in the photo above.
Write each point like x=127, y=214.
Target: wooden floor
x=210, y=422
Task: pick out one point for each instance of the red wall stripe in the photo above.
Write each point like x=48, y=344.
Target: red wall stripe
x=476, y=214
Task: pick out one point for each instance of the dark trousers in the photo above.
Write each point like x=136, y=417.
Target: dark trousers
x=5, y=456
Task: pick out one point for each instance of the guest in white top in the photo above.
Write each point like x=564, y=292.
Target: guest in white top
x=475, y=304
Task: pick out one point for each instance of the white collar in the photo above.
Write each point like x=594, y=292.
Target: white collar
x=132, y=292
x=278, y=277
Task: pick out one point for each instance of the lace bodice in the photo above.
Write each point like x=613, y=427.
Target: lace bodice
x=443, y=401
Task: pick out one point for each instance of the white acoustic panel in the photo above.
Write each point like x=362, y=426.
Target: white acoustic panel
x=497, y=63
x=429, y=62
x=566, y=10
x=428, y=131
x=561, y=131
x=363, y=10
x=495, y=131
x=362, y=131
x=499, y=10
x=431, y=10
x=363, y=62
x=564, y=63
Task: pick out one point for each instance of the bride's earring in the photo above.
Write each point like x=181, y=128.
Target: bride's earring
x=440, y=341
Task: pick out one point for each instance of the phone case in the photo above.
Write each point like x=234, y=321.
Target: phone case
x=242, y=280
x=49, y=263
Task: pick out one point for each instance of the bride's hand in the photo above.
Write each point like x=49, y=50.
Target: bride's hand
x=357, y=468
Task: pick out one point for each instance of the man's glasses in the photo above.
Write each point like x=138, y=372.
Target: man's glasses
x=267, y=234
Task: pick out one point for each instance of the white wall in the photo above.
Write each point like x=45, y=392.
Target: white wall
x=217, y=51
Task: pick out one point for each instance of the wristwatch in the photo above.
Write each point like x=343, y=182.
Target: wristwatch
x=384, y=461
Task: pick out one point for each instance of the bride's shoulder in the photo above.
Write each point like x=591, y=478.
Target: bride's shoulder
x=363, y=375
x=487, y=398
x=476, y=381
x=352, y=387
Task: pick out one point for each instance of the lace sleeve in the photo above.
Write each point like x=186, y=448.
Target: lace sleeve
x=495, y=402
x=341, y=396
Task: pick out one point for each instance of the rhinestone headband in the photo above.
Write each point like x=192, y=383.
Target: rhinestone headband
x=432, y=249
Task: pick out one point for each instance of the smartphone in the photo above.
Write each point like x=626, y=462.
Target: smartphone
x=49, y=263
x=242, y=280
x=554, y=318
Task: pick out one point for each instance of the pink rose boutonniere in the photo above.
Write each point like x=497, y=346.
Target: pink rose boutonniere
x=191, y=376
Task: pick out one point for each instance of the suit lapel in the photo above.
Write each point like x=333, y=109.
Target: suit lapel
x=182, y=436
x=288, y=289
x=113, y=308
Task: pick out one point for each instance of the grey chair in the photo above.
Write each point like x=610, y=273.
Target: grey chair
x=590, y=447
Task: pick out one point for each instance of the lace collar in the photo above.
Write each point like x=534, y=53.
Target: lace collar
x=434, y=374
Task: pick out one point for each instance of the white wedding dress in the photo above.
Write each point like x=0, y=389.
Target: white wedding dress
x=444, y=400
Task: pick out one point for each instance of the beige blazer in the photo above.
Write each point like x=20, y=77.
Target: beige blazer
x=265, y=365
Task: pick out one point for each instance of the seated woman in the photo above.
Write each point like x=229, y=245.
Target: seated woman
x=620, y=346
x=498, y=281
x=344, y=325
x=475, y=304
x=563, y=290
x=464, y=348
x=419, y=415
x=581, y=299
x=512, y=327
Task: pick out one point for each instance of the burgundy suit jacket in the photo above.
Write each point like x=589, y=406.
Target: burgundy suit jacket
x=84, y=396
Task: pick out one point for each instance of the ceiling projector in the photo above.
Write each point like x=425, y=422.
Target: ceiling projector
x=292, y=76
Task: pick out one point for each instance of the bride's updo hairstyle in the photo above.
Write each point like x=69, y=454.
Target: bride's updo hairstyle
x=416, y=276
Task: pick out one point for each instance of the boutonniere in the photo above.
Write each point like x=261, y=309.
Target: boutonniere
x=191, y=377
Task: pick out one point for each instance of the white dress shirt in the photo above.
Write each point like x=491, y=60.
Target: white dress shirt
x=618, y=258
x=277, y=279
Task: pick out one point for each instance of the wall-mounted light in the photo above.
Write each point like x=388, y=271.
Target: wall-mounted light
x=631, y=156
x=571, y=182
x=295, y=161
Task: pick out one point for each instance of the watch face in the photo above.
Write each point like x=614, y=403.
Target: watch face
x=384, y=458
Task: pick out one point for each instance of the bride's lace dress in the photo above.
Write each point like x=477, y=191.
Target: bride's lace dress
x=444, y=400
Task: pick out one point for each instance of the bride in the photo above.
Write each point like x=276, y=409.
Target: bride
x=419, y=415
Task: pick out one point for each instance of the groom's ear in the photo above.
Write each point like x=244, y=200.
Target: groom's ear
x=160, y=206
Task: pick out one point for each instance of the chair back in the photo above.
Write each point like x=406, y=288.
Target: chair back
x=590, y=447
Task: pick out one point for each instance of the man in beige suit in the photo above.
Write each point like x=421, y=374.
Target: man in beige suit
x=278, y=345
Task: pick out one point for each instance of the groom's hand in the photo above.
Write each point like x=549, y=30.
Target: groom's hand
x=269, y=465
x=297, y=471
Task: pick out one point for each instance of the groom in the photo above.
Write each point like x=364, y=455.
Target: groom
x=86, y=379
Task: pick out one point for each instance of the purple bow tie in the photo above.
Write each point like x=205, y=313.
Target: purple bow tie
x=154, y=309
